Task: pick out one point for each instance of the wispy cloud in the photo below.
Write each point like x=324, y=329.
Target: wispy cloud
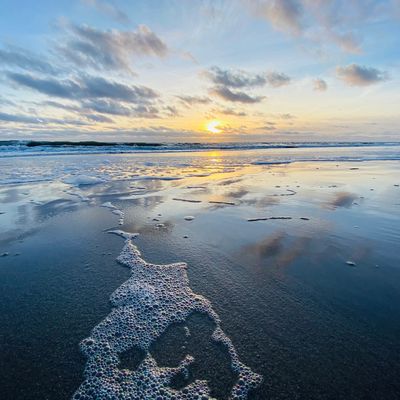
x=110, y=49
x=85, y=87
x=106, y=106
x=110, y=9
x=284, y=15
x=286, y=116
x=358, y=75
x=21, y=58
x=6, y=102
x=268, y=126
x=193, y=100
x=231, y=111
x=171, y=111
x=320, y=85
x=322, y=22
x=278, y=79
x=28, y=119
x=99, y=118
x=5, y=117
x=112, y=107
x=235, y=96
x=234, y=78
x=124, y=110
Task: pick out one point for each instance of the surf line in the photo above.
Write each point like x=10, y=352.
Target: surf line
x=154, y=297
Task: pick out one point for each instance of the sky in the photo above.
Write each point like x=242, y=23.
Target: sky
x=197, y=70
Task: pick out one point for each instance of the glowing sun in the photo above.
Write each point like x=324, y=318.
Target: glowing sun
x=213, y=125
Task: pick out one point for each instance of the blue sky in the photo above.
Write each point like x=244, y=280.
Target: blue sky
x=239, y=70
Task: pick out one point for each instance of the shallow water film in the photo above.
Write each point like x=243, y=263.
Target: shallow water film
x=259, y=274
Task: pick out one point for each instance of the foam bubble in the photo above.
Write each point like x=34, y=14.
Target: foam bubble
x=187, y=331
x=108, y=204
x=125, y=235
x=153, y=298
x=115, y=211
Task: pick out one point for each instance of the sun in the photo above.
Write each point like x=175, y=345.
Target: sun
x=213, y=125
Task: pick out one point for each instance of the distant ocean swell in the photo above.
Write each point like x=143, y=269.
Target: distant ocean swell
x=13, y=148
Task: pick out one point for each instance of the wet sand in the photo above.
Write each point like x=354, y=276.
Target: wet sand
x=267, y=245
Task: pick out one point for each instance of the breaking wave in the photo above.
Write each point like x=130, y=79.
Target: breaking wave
x=13, y=148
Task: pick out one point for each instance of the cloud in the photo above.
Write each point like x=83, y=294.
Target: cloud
x=321, y=22
x=277, y=79
x=18, y=118
x=235, y=96
x=111, y=107
x=85, y=116
x=110, y=9
x=6, y=102
x=286, y=116
x=48, y=86
x=238, y=79
x=115, y=108
x=269, y=126
x=27, y=119
x=110, y=49
x=55, y=104
x=187, y=55
x=284, y=15
x=226, y=80
x=346, y=41
x=24, y=59
x=145, y=111
x=320, y=85
x=231, y=111
x=234, y=79
x=171, y=111
x=98, y=118
x=85, y=87
x=105, y=106
x=357, y=75
x=193, y=100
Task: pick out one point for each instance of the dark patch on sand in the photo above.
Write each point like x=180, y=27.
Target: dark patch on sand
x=187, y=200
x=211, y=359
x=343, y=199
x=266, y=218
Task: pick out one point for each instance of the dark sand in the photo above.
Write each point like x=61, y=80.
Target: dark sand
x=313, y=326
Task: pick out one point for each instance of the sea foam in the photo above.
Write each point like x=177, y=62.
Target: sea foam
x=153, y=298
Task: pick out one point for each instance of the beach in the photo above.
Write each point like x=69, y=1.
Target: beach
x=291, y=253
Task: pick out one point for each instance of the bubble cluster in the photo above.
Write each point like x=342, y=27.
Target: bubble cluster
x=115, y=211
x=154, y=297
